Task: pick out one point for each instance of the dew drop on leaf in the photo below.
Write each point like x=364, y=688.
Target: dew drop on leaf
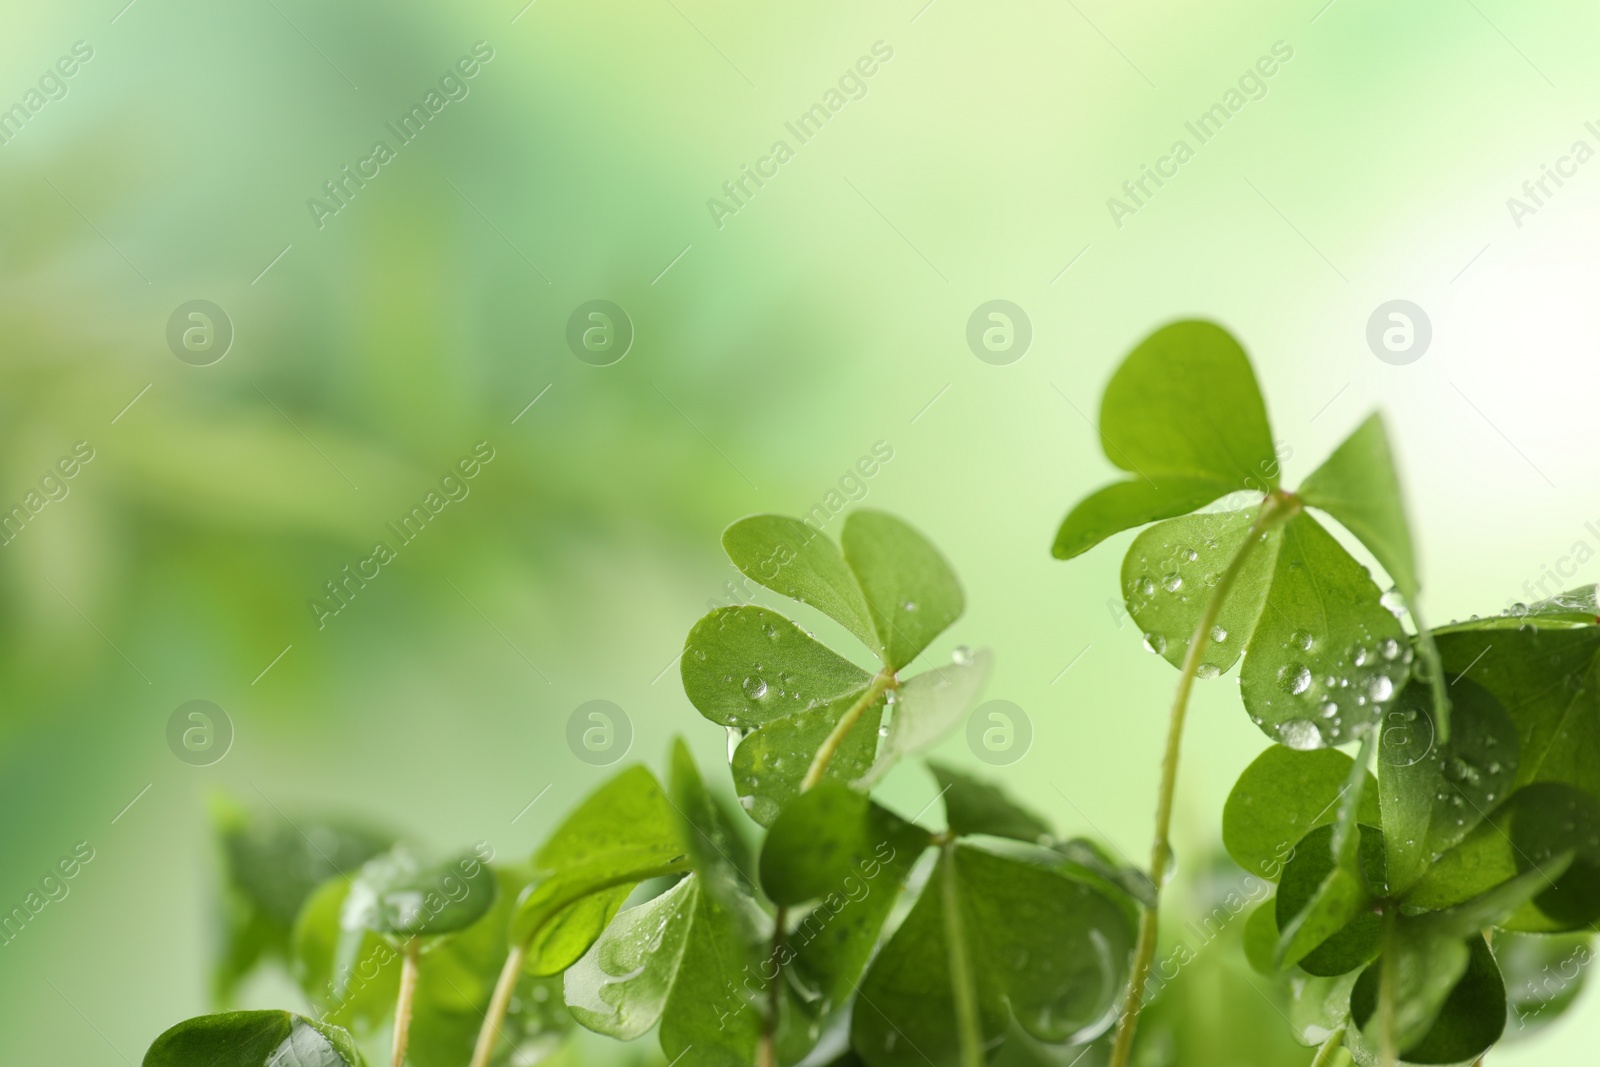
x=1172, y=582
x=1218, y=634
x=1300, y=734
x=961, y=655
x=755, y=687
x=1294, y=678
x=1302, y=640
x=1394, y=602
x=1207, y=670
x=1155, y=643
x=1381, y=688
x=1389, y=648
x=910, y=605
x=1146, y=587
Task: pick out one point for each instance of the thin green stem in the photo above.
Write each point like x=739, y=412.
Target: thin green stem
x=882, y=682
x=1329, y=1052
x=1275, y=509
x=1388, y=1055
x=767, y=1051
x=500, y=1001
x=402, y=1005
x=961, y=982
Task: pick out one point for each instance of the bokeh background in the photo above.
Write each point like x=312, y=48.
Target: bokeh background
x=771, y=352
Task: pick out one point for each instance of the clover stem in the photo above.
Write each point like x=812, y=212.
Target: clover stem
x=402, y=1006
x=498, y=1005
x=961, y=984
x=1329, y=1052
x=884, y=681
x=1277, y=508
x=767, y=1053
x=1387, y=1054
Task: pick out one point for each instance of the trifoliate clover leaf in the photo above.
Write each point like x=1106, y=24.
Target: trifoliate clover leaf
x=803, y=712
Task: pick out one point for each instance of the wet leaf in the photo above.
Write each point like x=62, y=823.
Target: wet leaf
x=1469, y=1020
x=976, y=807
x=253, y=1039
x=1046, y=950
x=622, y=834
x=747, y=666
x=1326, y=657
x=912, y=592
x=1435, y=791
x=1170, y=572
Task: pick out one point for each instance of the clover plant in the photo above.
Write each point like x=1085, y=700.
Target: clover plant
x=1427, y=817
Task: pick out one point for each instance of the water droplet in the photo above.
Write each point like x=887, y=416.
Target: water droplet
x=1172, y=582
x=1302, y=640
x=1329, y=709
x=1389, y=648
x=1294, y=678
x=1218, y=634
x=961, y=654
x=1146, y=587
x=1301, y=734
x=755, y=687
x=1381, y=688
x=1155, y=643
x=910, y=605
x=1190, y=555
x=1207, y=670
x=1360, y=656
x=1394, y=602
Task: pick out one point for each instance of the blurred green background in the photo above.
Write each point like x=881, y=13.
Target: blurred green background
x=770, y=354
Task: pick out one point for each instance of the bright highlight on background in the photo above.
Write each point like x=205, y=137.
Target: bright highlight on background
x=381, y=378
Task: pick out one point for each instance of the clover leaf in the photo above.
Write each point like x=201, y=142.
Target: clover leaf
x=253, y=1039
x=801, y=711
x=1323, y=656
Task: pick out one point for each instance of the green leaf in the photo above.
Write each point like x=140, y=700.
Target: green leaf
x=1125, y=505
x=1358, y=485
x=928, y=706
x=402, y=895
x=1326, y=657
x=624, y=833
x=1318, y=1006
x=1324, y=906
x=1281, y=797
x=1548, y=679
x=1045, y=949
x=835, y=847
x=1261, y=939
x=360, y=998
x=1434, y=791
x=620, y=986
x=1170, y=571
x=1469, y=1021
x=271, y=865
x=799, y=562
x=1535, y=830
x=973, y=806
x=747, y=666
x=1544, y=976
x=911, y=591
x=1183, y=413
x=770, y=763
x=253, y=1039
